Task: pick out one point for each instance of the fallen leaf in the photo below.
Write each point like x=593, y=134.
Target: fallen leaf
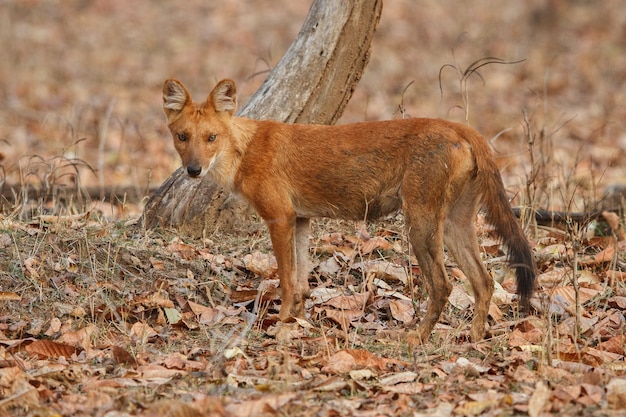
x=343, y=317
x=375, y=243
x=261, y=264
x=460, y=299
x=142, y=331
x=173, y=315
x=613, y=221
x=349, y=302
x=123, y=357
x=519, y=338
x=617, y=301
x=157, y=264
x=362, y=374
x=616, y=393
x=50, y=349
x=402, y=310
x=55, y=326
x=5, y=240
x=183, y=250
x=321, y=295
x=398, y=377
x=9, y=296
x=31, y=263
x=171, y=408
x=383, y=269
x=266, y=405
x=568, y=326
x=329, y=267
x=346, y=360
x=466, y=363
x=81, y=337
x=539, y=400
x=443, y=409
x=615, y=345
x=474, y=408
x=605, y=255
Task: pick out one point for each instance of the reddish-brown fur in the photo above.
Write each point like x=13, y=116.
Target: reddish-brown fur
x=437, y=172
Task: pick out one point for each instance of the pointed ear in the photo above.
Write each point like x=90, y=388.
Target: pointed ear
x=175, y=97
x=223, y=98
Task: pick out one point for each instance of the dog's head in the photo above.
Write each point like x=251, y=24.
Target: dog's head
x=201, y=131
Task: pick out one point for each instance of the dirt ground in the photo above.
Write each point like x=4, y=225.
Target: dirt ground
x=100, y=317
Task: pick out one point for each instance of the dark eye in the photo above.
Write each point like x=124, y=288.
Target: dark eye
x=182, y=137
x=212, y=137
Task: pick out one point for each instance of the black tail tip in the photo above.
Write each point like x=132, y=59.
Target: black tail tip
x=525, y=275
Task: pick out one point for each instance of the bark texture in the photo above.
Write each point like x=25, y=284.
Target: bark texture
x=312, y=83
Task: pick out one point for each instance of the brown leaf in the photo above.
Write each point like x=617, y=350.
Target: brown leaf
x=568, y=294
x=613, y=221
x=459, y=298
x=158, y=373
x=142, y=331
x=596, y=357
x=594, y=394
x=157, y=264
x=402, y=310
x=123, y=357
x=159, y=299
x=584, y=324
x=409, y=388
x=616, y=276
x=80, y=337
x=266, y=405
x=44, y=349
x=340, y=363
x=532, y=337
x=614, y=345
x=539, y=401
x=398, y=377
x=343, y=317
x=616, y=393
x=345, y=360
x=31, y=263
x=554, y=277
x=5, y=240
x=262, y=264
x=605, y=255
x=375, y=243
x=495, y=312
x=384, y=270
x=567, y=393
x=9, y=296
x=16, y=391
x=475, y=408
x=185, y=251
x=350, y=302
x=171, y=408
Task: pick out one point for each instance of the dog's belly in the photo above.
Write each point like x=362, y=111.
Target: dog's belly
x=350, y=207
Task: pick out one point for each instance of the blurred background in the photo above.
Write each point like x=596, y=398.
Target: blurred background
x=80, y=81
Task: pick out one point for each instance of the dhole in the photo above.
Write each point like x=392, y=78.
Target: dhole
x=437, y=172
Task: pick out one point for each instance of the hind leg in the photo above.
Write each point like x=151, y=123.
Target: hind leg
x=426, y=238
x=460, y=239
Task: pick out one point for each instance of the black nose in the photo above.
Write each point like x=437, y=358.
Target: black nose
x=194, y=170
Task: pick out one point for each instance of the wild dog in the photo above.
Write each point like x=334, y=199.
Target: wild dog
x=437, y=172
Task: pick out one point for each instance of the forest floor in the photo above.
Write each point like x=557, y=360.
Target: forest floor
x=100, y=317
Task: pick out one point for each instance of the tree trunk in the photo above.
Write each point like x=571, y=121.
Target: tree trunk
x=312, y=83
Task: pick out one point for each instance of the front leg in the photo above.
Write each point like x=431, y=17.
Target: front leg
x=282, y=233
x=303, y=264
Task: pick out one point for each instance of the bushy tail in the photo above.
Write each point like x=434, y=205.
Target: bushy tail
x=500, y=215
